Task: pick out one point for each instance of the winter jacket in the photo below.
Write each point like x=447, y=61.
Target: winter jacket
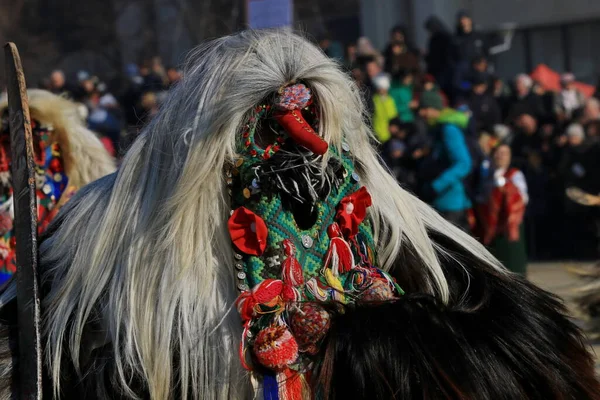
x=470, y=46
x=449, y=145
x=384, y=109
x=486, y=112
x=403, y=95
x=441, y=56
x=531, y=104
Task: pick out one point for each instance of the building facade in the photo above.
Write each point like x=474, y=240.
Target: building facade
x=558, y=33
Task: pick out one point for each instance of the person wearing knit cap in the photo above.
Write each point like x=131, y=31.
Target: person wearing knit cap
x=383, y=106
x=440, y=56
x=449, y=163
x=524, y=101
x=470, y=45
x=431, y=99
x=575, y=134
x=402, y=91
x=569, y=99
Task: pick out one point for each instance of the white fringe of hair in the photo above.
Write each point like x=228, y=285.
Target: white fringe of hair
x=149, y=247
x=83, y=154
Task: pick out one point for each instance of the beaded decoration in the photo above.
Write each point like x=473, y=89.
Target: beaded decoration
x=52, y=190
x=303, y=241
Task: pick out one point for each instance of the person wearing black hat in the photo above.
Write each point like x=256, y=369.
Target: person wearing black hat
x=470, y=45
x=485, y=108
x=440, y=56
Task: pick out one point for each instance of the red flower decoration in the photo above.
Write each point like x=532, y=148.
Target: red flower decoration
x=248, y=232
x=352, y=211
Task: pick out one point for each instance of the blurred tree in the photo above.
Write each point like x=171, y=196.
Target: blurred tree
x=339, y=19
x=100, y=36
x=211, y=18
x=22, y=22
x=86, y=35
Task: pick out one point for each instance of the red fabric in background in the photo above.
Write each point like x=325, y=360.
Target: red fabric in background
x=108, y=145
x=550, y=80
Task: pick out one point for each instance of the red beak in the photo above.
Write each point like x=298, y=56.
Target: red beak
x=296, y=126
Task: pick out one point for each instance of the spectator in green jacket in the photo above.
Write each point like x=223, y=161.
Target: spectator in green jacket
x=402, y=93
x=384, y=108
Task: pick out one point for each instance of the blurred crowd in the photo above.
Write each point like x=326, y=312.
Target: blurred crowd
x=119, y=109
x=493, y=156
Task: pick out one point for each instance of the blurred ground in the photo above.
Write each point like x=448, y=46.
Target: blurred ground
x=554, y=278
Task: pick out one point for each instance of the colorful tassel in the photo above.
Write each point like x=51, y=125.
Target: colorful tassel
x=318, y=291
x=290, y=385
x=339, y=257
x=270, y=387
x=335, y=284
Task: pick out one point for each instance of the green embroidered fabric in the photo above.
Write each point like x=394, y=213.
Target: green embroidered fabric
x=311, y=244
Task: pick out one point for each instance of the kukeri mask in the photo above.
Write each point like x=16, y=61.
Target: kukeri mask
x=302, y=237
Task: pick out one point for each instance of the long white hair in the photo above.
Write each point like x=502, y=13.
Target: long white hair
x=146, y=251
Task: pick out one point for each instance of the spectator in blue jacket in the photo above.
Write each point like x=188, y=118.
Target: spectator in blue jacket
x=449, y=162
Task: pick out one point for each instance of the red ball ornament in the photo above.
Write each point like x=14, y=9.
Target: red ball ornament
x=275, y=347
x=378, y=290
x=310, y=324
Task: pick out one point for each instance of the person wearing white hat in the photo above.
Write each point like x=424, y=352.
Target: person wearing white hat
x=569, y=99
x=384, y=107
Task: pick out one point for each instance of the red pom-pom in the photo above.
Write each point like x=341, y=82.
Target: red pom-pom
x=275, y=347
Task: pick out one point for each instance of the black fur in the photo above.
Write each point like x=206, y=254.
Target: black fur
x=500, y=337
